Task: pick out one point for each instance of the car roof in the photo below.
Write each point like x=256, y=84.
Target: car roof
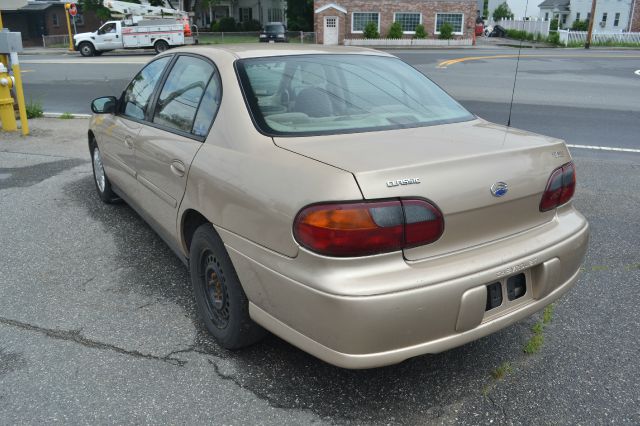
x=261, y=50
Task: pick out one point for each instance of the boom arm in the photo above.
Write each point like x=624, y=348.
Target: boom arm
x=129, y=10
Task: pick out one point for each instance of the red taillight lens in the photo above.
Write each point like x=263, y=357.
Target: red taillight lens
x=366, y=228
x=560, y=187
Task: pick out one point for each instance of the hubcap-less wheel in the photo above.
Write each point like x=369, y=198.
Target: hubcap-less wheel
x=215, y=290
x=161, y=46
x=98, y=170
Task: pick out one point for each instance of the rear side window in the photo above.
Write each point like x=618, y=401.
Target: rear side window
x=208, y=107
x=138, y=94
x=182, y=92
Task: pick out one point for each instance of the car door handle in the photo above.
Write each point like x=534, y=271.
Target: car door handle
x=128, y=142
x=177, y=167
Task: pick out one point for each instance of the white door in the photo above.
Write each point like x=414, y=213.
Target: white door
x=331, y=30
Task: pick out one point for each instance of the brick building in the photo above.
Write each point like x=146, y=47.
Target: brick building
x=335, y=21
x=634, y=25
x=44, y=17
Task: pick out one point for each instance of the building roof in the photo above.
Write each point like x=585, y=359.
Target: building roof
x=331, y=6
x=562, y=5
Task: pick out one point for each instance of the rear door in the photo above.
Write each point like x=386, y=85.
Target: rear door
x=183, y=113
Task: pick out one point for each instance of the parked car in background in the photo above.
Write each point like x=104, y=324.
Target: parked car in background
x=274, y=32
x=339, y=199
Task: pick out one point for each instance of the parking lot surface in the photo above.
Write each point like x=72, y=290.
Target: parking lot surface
x=97, y=322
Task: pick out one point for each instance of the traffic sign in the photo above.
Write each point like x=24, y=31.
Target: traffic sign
x=73, y=11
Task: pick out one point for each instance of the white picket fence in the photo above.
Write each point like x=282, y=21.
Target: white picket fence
x=573, y=37
x=391, y=42
x=533, y=27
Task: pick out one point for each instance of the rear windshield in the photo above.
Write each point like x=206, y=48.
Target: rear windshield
x=274, y=28
x=332, y=94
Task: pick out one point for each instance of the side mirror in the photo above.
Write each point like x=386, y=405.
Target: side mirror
x=104, y=105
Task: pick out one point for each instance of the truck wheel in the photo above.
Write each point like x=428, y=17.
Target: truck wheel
x=86, y=49
x=161, y=46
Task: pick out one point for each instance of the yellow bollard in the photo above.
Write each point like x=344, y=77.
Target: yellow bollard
x=22, y=108
x=7, y=116
x=67, y=6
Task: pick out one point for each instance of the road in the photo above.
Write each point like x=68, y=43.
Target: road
x=582, y=97
x=97, y=320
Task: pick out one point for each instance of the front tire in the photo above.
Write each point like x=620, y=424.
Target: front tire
x=222, y=303
x=103, y=185
x=86, y=49
x=161, y=46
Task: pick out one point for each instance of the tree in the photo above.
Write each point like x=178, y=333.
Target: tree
x=502, y=12
x=420, y=32
x=300, y=15
x=95, y=6
x=371, y=30
x=395, y=31
x=446, y=31
x=579, y=25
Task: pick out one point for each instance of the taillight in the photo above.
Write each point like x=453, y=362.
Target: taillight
x=560, y=187
x=366, y=228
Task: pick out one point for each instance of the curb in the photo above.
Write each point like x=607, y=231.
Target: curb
x=59, y=114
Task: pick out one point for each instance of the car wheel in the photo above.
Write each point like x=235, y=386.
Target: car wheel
x=86, y=49
x=103, y=186
x=222, y=303
x=161, y=46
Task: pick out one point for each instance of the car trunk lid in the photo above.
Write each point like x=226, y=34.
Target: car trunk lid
x=456, y=166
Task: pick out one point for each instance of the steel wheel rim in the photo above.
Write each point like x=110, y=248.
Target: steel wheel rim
x=214, y=290
x=162, y=47
x=86, y=50
x=98, y=171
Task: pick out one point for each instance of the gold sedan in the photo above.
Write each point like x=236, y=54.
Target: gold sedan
x=339, y=199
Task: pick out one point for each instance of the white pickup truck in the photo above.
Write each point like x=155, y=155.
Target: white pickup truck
x=158, y=34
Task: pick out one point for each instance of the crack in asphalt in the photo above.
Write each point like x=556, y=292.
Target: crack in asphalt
x=76, y=337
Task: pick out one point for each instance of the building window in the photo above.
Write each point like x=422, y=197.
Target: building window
x=360, y=19
x=455, y=19
x=79, y=19
x=408, y=21
x=604, y=17
x=616, y=19
x=546, y=16
x=246, y=14
x=56, y=22
x=274, y=15
x=578, y=16
x=564, y=19
x=588, y=16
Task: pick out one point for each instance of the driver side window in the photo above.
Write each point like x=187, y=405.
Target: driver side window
x=137, y=96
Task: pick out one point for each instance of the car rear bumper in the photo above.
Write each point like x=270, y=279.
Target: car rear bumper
x=372, y=330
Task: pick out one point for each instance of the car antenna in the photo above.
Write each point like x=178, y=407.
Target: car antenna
x=515, y=77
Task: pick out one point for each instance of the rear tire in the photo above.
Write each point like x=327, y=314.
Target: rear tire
x=222, y=303
x=86, y=49
x=103, y=185
x=161, y=46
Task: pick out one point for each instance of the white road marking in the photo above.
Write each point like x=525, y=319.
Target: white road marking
x=604, y=148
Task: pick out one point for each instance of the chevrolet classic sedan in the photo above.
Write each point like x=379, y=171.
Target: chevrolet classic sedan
x=339, y=199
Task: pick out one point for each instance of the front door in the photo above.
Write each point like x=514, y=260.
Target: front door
x=121, y=131
x=108, y=37
x=166, y=147
x=331, y=30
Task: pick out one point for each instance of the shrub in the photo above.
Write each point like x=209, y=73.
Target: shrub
x=395, y=31
x=580, y=25
x=502, y=12
x=251, y=25
x=371, y=30
x=420, y=32
x=553, y=38
x=34, y=109
x=227, y=24
x=553, y=25
x=446, y=31
x=215, y=27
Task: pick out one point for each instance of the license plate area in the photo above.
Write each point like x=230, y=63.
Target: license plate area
x=507, y=293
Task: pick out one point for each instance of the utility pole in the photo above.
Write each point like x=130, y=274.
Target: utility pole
x=591, y=20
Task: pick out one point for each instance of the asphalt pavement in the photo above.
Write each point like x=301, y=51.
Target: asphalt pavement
x=97, y=319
